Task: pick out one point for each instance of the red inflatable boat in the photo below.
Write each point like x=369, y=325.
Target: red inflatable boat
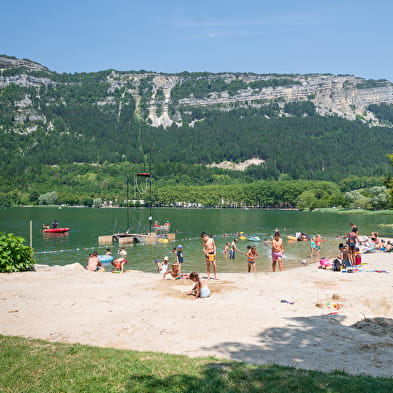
x=56, y=230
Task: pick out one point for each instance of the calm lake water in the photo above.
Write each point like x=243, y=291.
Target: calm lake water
x=88, y=223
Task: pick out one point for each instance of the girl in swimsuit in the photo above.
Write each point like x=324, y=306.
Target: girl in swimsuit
x=252, y=255
x=200, y=289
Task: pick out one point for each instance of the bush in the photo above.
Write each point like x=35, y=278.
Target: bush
x=14, y=255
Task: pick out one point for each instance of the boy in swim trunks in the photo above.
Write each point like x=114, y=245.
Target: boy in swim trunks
x=233, y=249
x=179, y=256
x=277, y=251
x=209, y=249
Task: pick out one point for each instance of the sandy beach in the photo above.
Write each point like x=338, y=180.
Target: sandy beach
x=337, y=320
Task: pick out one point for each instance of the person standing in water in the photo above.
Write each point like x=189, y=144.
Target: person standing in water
x=233, y=248
x=252, y=255
x=210, y=251
x=277, y=251
x=225, y=250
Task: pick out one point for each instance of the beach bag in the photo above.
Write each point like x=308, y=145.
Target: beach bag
x=337, y=265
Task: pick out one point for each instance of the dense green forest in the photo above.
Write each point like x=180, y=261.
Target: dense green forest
x=64, y=133
x=312, y=147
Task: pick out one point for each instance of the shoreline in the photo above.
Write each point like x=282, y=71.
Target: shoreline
x=243, y=319
x=317, y=210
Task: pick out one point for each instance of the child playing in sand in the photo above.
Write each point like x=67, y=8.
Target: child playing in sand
x=200, y=289
x=252, y=255
x=174, y=272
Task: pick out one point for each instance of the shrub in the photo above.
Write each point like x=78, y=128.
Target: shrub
x=14, y=255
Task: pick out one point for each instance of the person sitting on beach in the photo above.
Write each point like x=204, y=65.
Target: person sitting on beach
x=388, y=246
x=341, y=249
x=376, y=240
x=162, y=267
x=252, y=255
x=366, y=246
x=200, y=288
x=93, y=263
x=382, y=246
x=174, y=272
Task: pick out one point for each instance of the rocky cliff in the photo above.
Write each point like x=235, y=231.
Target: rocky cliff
x=164, y=99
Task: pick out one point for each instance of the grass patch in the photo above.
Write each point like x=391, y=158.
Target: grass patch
x=35, y=366
x=353, y=211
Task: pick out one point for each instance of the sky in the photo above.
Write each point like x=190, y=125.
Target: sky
x=259, y=36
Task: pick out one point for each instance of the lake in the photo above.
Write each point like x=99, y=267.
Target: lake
x=88, y=223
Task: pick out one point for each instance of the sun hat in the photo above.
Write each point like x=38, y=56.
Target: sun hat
x=166, y=258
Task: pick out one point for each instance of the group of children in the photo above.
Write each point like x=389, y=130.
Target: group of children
x=175, y=271
x=315, y=245
x=94, y=264
x=200, y=288
x=277, y=253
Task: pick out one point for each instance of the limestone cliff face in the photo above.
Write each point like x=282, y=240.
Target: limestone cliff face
x=155, y=101
x=7, y=62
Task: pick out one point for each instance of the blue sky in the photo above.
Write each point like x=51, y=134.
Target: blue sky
x=288, y=36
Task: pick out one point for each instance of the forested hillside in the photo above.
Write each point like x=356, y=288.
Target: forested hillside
x=106, y=119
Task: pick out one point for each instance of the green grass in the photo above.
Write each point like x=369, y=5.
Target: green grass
x=354, y=211
x=35, y=366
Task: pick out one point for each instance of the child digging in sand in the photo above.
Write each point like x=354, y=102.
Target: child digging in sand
x=200, y=289
x=174, y=272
